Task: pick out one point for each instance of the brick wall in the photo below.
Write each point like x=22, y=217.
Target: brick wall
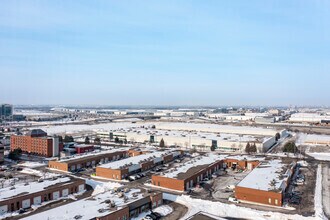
x=46, y=195
x=258, y=196
x=58, y=165
x=110, y=173
x=168, y=183
x=36, y=145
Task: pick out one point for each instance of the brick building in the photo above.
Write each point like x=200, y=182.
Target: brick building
x=83, y=148
x=76, y=162
x=36, y=142
x=188, y=175
x=105, y=206
x=266, y=184
x=24, y=195
x=121, y=169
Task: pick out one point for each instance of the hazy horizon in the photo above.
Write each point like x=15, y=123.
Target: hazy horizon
x=142, y=53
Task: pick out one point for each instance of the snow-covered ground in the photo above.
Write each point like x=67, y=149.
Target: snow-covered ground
x=230, y=210
x=202, y=127
x=320, y=156
x=31, y=164
x=319, y=214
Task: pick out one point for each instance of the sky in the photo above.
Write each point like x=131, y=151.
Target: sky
x=214, y=53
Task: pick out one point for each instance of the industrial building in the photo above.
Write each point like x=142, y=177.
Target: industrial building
x=109, y=205
x=309, y=117
x=119, y=170
x=91, y=159
x=24, y=195
x=36, y=142
x=187, y=175
x=201, y=141
x=266, y=184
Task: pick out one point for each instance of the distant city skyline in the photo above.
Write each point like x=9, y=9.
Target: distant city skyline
x=165, y=53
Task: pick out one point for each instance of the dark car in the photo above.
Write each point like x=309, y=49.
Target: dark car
x=153, y=216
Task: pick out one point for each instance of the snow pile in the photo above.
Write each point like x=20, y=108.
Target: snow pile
x=320, y=156
x=227, y=210
x=164, y=210
x=319, y=214
x=93, y=183
x=39, y=173
x=303, y=163
x=31, y=164
x=105, y=187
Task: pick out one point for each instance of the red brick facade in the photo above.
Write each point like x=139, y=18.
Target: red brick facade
x=88, y=161
x=16, y=203
x=259, y=196
x=42, y=146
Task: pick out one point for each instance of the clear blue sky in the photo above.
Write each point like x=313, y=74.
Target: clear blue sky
x=165, y=52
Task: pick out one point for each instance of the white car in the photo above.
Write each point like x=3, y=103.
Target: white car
x=232, y=199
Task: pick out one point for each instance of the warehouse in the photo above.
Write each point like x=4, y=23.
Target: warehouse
x=266, y=184
x=187, y=175
x=110, y=205
x=121, y=169
x=201, y=141
x=24, y=195
x=86, y=160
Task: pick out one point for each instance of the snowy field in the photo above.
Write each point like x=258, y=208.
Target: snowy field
x=317, y=145
x=160, y=125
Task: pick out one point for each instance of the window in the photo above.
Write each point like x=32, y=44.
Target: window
x=270, y=201
x=276, y=202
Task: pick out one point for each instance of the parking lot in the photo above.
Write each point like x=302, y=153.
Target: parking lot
x=220, y=187
x=223, y=186
x=300, y=194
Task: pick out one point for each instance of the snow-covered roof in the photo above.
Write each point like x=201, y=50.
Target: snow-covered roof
x=89, y=154
x=244, y=157
x=91, y=207
x=31, y=187
x=261, y=176
x=135, y=160
x=197, y=161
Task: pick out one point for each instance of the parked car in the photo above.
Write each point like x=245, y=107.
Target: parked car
x=153, y=216
x=232, y=187
x=215, y=175
x=232, y=199
x=132, y=178
x=138, y=176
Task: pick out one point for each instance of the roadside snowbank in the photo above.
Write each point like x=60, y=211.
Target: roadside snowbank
x=31, y=164
x=319, y=214
x=320, y=156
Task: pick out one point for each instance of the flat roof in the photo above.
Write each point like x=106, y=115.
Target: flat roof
x=78, y=157
x=32, y=187
x=135, y=160
x=89, y=208
x=261, y=176
x=194, y=165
